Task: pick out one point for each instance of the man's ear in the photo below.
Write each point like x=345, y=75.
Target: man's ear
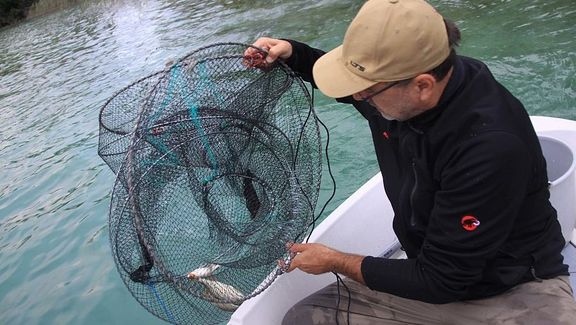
x=425, y=86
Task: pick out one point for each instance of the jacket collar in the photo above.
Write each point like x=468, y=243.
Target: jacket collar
x=425, y=120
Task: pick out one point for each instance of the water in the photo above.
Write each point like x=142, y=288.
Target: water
x=57, y=70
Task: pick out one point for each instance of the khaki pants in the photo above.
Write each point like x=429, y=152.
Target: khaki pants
x=538, y=303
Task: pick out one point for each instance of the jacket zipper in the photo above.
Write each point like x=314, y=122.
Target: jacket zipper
x=533, y=271
x=412, y=194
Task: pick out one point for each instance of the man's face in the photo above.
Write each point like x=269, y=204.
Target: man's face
x=393, y=100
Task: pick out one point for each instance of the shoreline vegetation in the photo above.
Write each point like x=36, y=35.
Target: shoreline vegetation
x=14, y=11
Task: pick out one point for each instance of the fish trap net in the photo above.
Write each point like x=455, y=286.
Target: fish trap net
x=217, y=167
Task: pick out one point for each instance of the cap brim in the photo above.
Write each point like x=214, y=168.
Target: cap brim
x=334, y=79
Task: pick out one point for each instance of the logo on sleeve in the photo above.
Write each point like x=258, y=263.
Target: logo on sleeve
x=470, y=223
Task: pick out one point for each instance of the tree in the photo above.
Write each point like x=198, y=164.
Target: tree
x=12, y=11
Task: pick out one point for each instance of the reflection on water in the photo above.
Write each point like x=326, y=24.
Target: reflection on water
x=57, y=70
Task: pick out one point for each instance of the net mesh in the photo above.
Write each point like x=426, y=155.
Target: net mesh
x=217, y=167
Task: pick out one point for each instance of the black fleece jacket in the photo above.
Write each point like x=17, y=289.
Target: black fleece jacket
x=468, y=185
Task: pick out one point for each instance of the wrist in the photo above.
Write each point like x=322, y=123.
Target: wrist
x=349, y=265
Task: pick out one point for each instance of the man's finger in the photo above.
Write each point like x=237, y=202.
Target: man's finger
x=273, y=54
x=261, y=43
x=297, y=248
x=293, y=265
x=282, y=265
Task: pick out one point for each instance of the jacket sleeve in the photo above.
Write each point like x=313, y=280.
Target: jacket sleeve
x=302, y=61
x=484, y=179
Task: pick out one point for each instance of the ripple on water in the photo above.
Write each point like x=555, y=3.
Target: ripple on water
x=57, y=70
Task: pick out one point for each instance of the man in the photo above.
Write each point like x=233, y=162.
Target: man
x=463, y=169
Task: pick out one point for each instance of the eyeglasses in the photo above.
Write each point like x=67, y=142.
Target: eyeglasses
x=366, y=99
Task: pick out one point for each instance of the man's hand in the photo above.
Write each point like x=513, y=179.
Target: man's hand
x=313, y=258
x=317, y=259
x=276, y=49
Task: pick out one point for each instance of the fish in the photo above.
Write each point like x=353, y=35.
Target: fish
x=204, y=271
x=215, y=290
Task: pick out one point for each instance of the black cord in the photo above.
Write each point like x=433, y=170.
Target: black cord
x=313, y=224
x=329, y=171
x=338, y=278
x=338, y=292
x=338, y=282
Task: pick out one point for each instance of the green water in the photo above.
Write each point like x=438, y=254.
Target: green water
x=57, y=70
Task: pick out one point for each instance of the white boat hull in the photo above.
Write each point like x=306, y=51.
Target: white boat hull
x=363, y=225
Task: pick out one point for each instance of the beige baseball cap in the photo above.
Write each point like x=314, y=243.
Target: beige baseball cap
x=388, y=40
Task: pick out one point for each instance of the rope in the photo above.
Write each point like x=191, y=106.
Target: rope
x=193, y=111
x=174, y=75
x=162, y=304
